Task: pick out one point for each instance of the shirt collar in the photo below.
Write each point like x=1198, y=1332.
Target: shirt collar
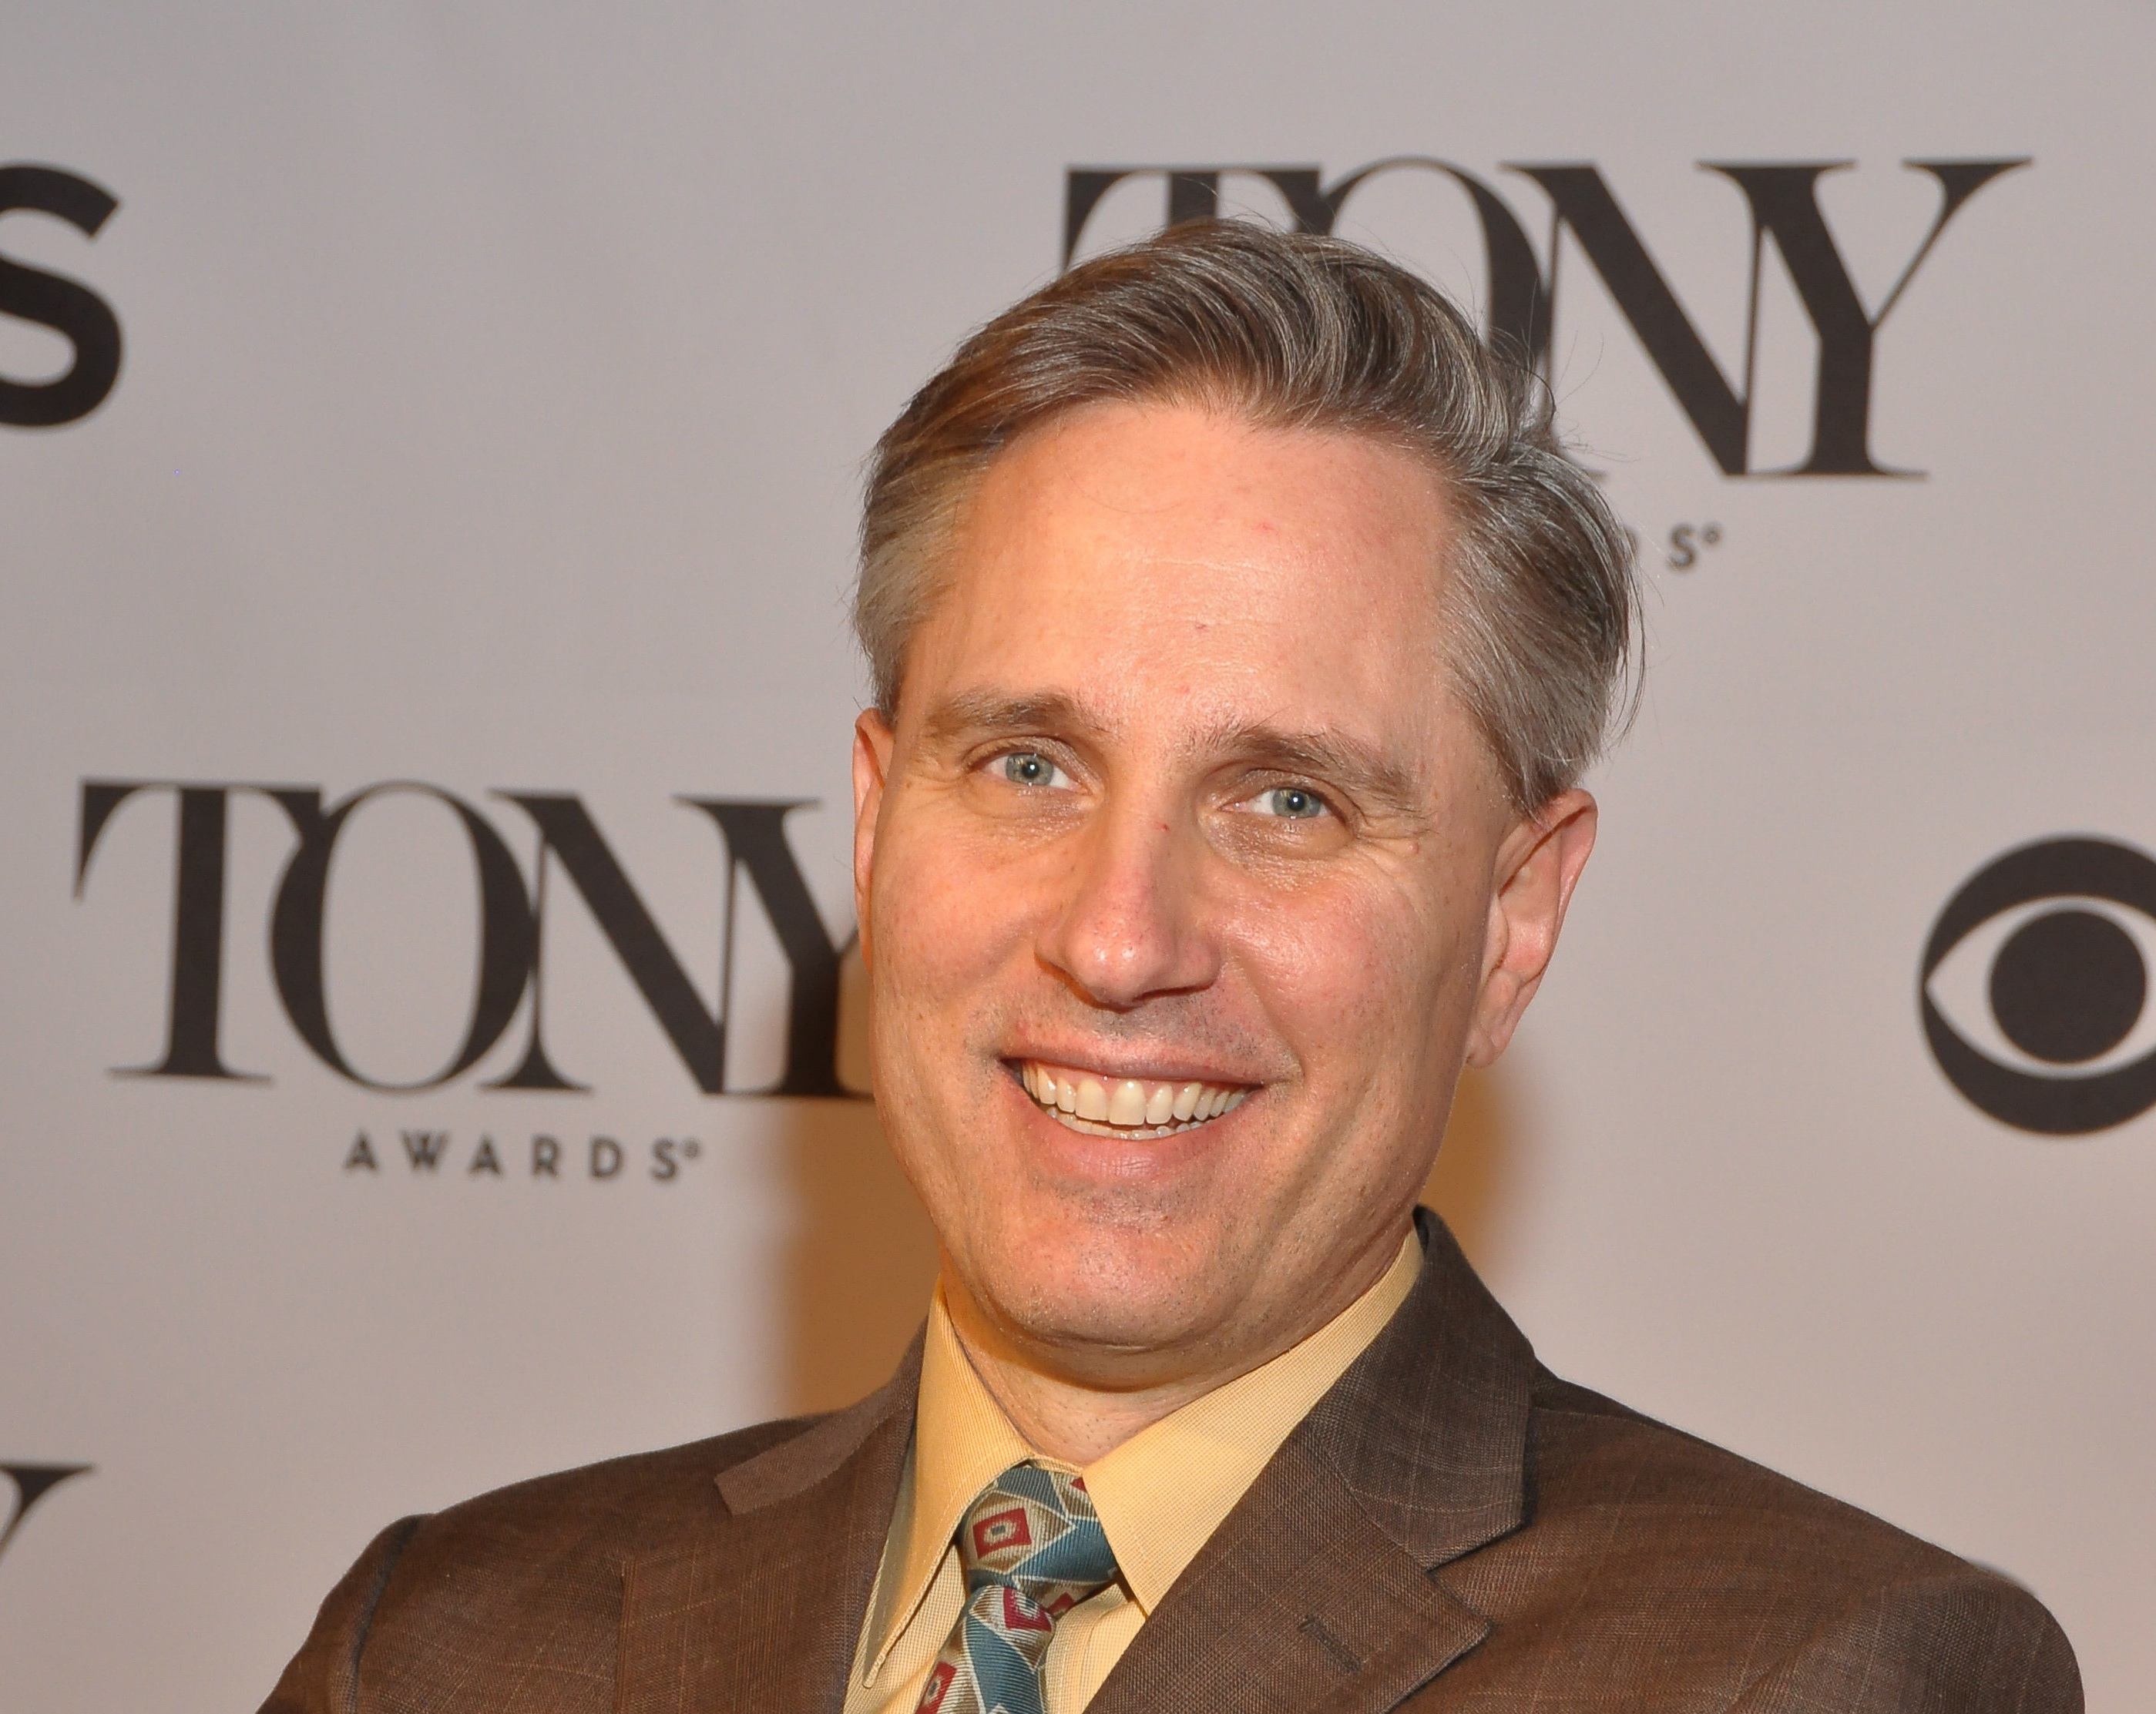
x=962, y=1442
x=1160, y=1495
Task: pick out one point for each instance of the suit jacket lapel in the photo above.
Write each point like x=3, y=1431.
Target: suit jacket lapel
x=1316, y=1591
x=772, y=1600
x=1300, y=1603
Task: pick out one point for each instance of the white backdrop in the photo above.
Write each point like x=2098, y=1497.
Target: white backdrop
x=493, y=385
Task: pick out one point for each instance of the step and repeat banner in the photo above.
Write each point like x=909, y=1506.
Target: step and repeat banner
x=430, y=1034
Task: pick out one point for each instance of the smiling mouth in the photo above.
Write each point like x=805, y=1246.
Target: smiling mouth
x=1124, y=1106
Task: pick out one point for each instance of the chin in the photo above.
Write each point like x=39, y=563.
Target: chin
x=1118, y=1325
x=1109, y=1286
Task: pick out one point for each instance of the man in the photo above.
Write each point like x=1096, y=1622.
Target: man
x=1239, y=634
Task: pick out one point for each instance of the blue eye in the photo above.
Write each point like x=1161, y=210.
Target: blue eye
x=1292, y=803
x=1028, y=767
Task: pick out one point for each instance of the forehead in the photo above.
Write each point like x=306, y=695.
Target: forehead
x=1128, y=554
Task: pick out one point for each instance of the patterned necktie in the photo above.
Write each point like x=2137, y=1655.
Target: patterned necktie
x=1033, y=1548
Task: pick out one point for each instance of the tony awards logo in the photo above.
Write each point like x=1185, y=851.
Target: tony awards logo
x=568, y=855
x=1521, y=288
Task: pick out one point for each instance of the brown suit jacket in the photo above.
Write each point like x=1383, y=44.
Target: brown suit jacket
x=1451, y=1527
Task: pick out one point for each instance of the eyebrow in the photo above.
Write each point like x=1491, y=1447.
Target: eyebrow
x=1361, y=770
x=988, y=713
x=1366, y=774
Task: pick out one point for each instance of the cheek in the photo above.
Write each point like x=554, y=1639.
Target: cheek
x=1362, y=979
x=946, y=918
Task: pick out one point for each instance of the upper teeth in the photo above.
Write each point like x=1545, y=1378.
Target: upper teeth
x=1126, y=1102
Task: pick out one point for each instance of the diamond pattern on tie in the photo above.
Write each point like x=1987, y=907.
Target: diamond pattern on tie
x=1033, y=1548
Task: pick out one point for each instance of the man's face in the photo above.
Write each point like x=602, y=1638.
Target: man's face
x=1179, y=817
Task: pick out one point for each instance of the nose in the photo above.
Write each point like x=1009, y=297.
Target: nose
x=1131, y=927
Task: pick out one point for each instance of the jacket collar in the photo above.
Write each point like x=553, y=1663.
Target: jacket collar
x=1316, y=1592
x=1429, y=1428
x=774, y=1598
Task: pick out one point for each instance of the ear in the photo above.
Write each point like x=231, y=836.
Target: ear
x=1538, y=864
x=872, y=746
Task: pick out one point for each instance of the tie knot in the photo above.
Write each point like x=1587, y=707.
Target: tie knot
x=1033, y=1548
x=1035, y=1530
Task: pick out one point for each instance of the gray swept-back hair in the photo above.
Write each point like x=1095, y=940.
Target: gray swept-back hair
x=1288, y=330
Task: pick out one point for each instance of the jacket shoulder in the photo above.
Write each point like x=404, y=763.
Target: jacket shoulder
x=622, y=1504
x=523, y=1584
x=1653, y=1553
x=1592, y=1458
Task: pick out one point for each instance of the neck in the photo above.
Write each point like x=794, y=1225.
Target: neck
x=1079, y=1417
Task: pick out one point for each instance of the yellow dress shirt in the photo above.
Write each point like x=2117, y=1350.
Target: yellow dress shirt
x=1160, y=1495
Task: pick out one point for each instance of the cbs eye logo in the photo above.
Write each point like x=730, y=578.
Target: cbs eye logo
x=2034, y=987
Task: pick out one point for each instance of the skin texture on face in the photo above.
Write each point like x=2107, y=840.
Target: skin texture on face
x=1177, y=794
